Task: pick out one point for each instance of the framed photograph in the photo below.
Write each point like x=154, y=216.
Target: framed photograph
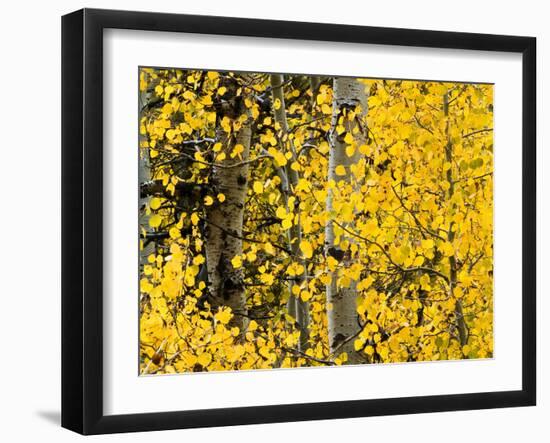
x=269, y=221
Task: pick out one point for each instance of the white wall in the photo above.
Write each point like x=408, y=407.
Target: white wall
x=30, y=218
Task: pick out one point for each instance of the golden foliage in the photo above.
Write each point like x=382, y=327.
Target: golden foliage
x=420, y=199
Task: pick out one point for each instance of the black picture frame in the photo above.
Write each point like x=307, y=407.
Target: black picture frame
x=82, y=215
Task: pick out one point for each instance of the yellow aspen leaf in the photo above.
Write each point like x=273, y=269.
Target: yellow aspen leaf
x=199, y=260
x=155, y=221
x=404, y=131
x=188, y=95
x=170, y=134
x=418, y=261
x=374, y=101
x=277, y=104
x=295, y=166
x=194, y=219
x=267, y=279
x=325, y=279
x=295, y=269
x=221, y=198
x=320, y=99
x=226, y=124
x=237, y=150
x=281, y=213
x=204, y=359
x=369, y=350
x=305, y=247
x=268, y=247
x=258, y=187
x=305, y=295
x=253, y=325
x=174, y=232
x=365, y=149
x=348, y=138
x=287, y=223
x=372, y=327
x=223, y=316
x=155, y=203
x=212, y=75
x=186, y=128
x=208, y=201
x=326, y=109
x=237, y=261
x=291, y=340
x=145, y=285
x=447, y=249
x=340, y=170
x=425, y=282
x=438, y=89
x=222, y=90
x=427, y=244
x=302, y=185
x=383, y=351
x=280, y=159
x=332, y=263
x=350, y=150
x=264, y=352
x=167, y=91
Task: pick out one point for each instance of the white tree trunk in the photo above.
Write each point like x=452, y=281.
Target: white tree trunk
x=341, y=301
x=225, y=225
x=144, y=175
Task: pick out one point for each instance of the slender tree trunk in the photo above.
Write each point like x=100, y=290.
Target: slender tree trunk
x=348, y=94
x=144, y=176
x=224, y=225
x=314, y=83
x=460, y=322
x=296, y=305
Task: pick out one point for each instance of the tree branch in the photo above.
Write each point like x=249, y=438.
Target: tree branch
x=477, y=132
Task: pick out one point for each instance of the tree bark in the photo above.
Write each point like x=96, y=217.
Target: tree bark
x=144, y=176
x=295, y=304
x=224, y=225
x=348, y=94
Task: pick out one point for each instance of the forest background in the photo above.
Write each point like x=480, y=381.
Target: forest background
x=291, y=220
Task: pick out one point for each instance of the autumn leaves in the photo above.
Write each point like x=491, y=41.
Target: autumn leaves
x=321, y=229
